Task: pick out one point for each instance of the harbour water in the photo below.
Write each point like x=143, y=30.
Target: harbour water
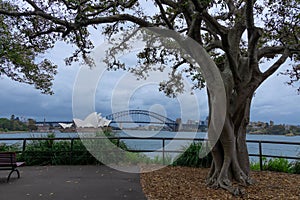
x=253, y=148
x=172, y=144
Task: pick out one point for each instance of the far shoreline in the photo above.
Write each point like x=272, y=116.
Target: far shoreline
x=13, y=132
x=255, y=133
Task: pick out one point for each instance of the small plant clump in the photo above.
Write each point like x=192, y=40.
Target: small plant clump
x=277, y=165
x=296, y=167
x=191, y=158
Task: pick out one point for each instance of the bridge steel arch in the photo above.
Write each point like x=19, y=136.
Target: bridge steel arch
x=116, y=117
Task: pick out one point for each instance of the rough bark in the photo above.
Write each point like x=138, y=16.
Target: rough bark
x=230, y=154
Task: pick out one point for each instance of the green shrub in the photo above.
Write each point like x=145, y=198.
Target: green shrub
x=137, y=158
x=295, y=168
x=255, y=166
x=167, y=160
x=278, y=165
x=6, y=148
x=85, y=151
x=190, y=157
x=50, y=152
x=116, y=142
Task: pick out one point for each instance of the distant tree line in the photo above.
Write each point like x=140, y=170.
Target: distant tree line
x=274, y=130
x=15, y=124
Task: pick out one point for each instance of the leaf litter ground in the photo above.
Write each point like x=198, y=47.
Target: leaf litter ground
x=189, y=183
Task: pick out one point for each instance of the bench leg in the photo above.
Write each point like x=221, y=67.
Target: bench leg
x=16, y=170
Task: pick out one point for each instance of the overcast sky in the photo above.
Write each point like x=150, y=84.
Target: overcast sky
x=274, y=100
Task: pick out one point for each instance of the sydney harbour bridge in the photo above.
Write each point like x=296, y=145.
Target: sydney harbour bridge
x=142, y=117
x=133, y=117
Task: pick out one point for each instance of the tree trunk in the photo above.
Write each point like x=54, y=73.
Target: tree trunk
x=230, y=154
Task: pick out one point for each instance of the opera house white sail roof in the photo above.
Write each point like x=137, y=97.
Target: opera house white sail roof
x=93, y=120
x=64, y=125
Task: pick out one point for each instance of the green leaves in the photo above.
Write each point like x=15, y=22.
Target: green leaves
x=38, y=25
x=278, y=165
x=12, y=125
x=18, y=56
x=191, y=157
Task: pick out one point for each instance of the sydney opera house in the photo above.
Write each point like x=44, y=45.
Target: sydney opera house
x=93, y=120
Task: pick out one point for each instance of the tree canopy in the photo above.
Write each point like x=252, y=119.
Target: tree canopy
x=19, y=58
x=272, y=30
x=12, y=124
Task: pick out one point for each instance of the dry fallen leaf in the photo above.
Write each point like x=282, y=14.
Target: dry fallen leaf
x=189, y=183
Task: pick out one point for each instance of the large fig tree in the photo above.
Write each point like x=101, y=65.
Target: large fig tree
x=240, y=35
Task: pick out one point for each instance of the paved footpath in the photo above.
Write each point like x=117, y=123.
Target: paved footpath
x=70, y=183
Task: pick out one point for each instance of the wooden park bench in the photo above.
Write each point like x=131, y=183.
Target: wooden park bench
x=8, y=162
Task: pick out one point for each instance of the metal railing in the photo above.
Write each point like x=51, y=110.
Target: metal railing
x=164, y=151
x=260, y=150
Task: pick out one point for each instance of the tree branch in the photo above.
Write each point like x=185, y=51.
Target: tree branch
x=174, y=16
x=170, y=3
x=59, y=29
x=68, y=5
x=270, y=52
x=34, y=13
x=214, y=34
x=211, y=22
x=214, y=24
x=177, y=65
x=214, y=45
x=116, y=18
x=163, y=14
x=249, y=17
x=33, y=4
x=97, y=9
x=254, y=33
x=231, y=8
x=128, y=4
x=276, y=65
x=252, y=48
x=195, y=27
x=200, y=5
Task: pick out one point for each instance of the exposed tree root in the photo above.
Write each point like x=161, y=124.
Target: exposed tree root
x=243, y=179
x=225, y=184
x=230, y=165
x=222, y=181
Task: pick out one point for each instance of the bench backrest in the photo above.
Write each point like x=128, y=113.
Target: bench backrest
x=7, y=159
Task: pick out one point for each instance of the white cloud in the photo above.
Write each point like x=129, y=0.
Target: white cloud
x=275, y=100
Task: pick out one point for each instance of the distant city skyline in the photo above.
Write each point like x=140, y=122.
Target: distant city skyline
x=188, y=121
